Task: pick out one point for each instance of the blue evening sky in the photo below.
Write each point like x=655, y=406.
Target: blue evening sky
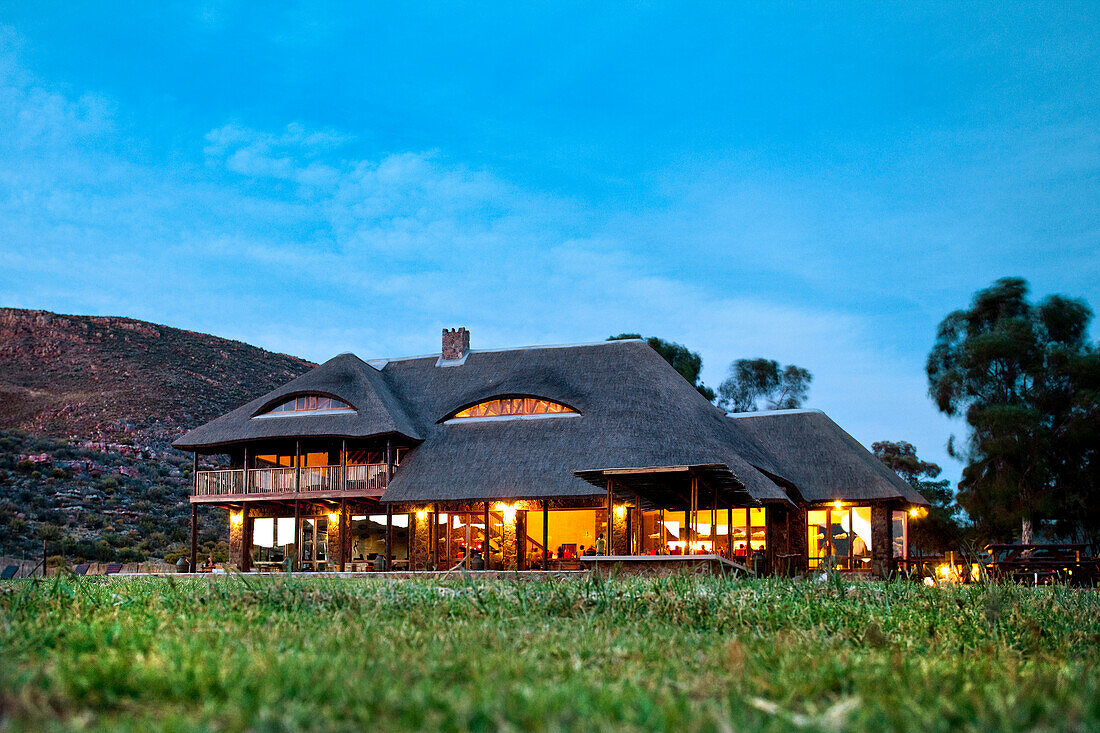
x=818, y=184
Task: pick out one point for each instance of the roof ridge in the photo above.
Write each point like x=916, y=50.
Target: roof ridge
x=769, y=413
x=380, y=363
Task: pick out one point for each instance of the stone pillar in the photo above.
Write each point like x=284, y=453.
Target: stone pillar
x=881, y=542
x=419, y=540
x=236, y=538
x=797, y=537
x=332, y=558
x=776, y=539
x=509, y=542
x=619, y=544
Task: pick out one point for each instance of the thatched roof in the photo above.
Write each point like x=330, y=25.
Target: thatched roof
x=345, y=377
x=819, y=458
x=635, y=411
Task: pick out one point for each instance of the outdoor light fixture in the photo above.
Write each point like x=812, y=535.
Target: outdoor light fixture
x=422, y=514
x=620, y=511
x=236, y=517
x=334, y=517
x=837, y=504
x=508, y=512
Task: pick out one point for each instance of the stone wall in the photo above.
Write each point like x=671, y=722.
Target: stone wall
x=420, y=550
x=882, y=546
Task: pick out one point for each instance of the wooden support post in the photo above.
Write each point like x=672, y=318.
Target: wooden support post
x=729, y=531
x=447, y=543
x=297, y=534
x=714, y=522
x=485, y=547
x=546, y=534
x=343, y=530
x=467, y=520
x=389, y=461
x=389, y=536
x=297, y=509
x=610, y=517
x=246, y=539
x=344, y=524
x=693, y=515
x=433, y=536
x=194, y=538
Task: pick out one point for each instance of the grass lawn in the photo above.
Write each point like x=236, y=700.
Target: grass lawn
x=681, y=654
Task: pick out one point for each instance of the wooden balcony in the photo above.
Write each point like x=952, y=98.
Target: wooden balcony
x=361, y=480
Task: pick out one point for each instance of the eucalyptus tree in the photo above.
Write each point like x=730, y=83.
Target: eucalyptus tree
x=687, y=362
x=755, y=382
x=1023, y=376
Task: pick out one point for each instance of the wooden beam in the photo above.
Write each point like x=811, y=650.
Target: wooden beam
x=246, y=540
x=297, y=535
x=546, y=534
x=610, y=517
x=729, y=531
x=389, y=537
x=343, y=530
x=389, y=460
x=194, y=537
x=297, y=509
x=433, y=536
x=485, y=550
x=343, y=502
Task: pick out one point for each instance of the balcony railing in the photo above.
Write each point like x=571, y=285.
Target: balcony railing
x=314, y=479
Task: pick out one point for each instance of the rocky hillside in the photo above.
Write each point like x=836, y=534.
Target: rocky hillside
x=121, y=380
x=88, y=406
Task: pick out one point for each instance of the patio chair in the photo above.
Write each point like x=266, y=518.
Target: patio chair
x=113, y=568
x=9, y=572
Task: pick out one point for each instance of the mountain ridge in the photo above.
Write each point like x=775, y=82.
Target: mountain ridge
x=121, y=379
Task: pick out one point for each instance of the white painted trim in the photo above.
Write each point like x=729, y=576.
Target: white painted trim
x=303, y=413
x=441, y=362
x=498, y=418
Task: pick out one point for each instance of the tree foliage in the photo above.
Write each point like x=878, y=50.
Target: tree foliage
x=755, y=381
x=1025, y=377
x=687, y=362
x=940, y=530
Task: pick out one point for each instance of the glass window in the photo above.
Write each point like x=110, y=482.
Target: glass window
x=514, y=406
x=900, y=535
x=308, y=403
x=840, y=537
x=816, y=541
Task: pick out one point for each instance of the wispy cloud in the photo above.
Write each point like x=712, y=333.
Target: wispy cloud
x=293, y=239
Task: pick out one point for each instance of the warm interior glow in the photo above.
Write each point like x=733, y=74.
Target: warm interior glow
x=508, y=513
x=308, y=403
x=334, y=517
x=509, y=406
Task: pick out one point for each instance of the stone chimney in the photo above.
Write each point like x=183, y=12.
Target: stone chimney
x=456, y=342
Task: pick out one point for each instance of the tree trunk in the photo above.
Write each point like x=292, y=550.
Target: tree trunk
x=1025, y=532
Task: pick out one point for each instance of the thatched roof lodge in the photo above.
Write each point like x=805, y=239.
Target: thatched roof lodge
x=519, y=458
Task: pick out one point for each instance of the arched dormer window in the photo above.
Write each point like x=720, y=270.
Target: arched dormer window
x=308, y=404
x=514, y=408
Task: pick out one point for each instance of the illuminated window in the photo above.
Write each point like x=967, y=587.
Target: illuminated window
x=308, y=403
x=839, y=537
x=515, y=407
